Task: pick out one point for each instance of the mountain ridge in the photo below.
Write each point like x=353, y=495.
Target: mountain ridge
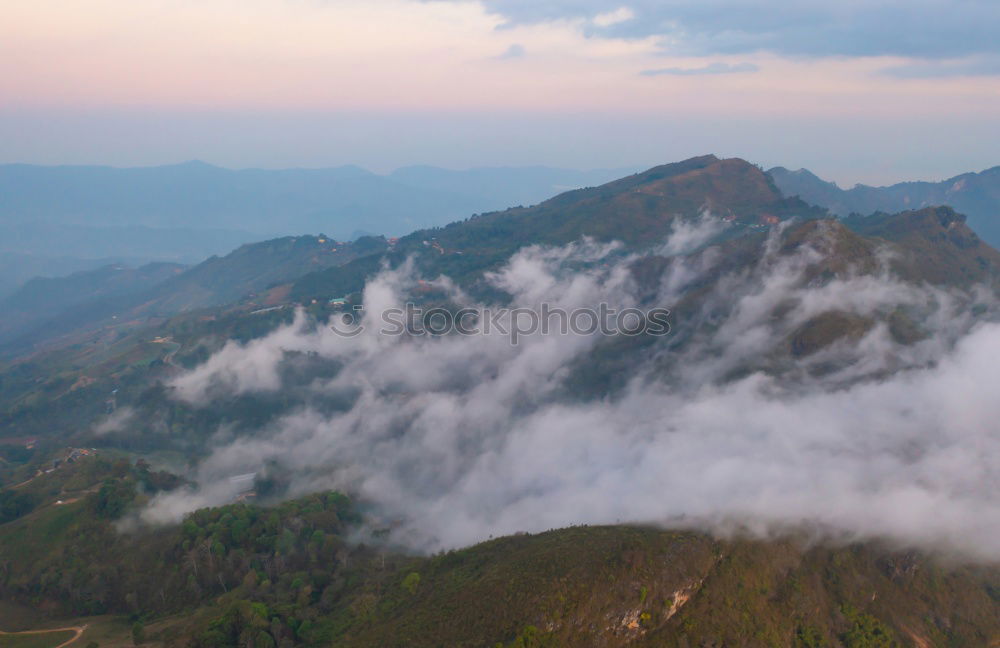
x=635, y=209
x=975, y=194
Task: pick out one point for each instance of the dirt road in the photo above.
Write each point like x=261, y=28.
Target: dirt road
x=78, y=630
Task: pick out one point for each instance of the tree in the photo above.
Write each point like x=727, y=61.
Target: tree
x=411, y=582
x=138, y=633
x=112, y=498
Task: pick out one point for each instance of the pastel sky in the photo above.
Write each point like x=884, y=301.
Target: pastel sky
x=857, y=90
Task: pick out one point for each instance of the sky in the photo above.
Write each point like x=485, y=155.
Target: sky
x=860, y=90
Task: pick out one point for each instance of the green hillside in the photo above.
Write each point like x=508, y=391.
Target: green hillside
x=256, y=272
x=296, y=573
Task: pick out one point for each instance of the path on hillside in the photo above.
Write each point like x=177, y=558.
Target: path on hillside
x=76, y=629
x=25, y=483
x=169, y=357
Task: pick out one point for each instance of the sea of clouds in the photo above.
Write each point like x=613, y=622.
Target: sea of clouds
x=449, y=440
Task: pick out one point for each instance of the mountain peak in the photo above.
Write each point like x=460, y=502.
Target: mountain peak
x=941, y=247
x=676, y=168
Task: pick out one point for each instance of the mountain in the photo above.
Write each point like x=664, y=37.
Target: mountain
x=41, y=299
x=639, y=209
x=977, y=195
x=17, y=267
x=41, y=310
x=293, y=574
x=617, y=586
x=740, y=249
x=255, y=268
x=935, y=244
x=45, y=249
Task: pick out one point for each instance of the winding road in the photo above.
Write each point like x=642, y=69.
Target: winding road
x=78, y=630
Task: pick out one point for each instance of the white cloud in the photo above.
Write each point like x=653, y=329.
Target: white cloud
x=710, y=68
x=457, y=438
x=620, y=15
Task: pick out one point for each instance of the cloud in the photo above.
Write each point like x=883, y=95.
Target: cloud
x=453, y=439
x=515, y=51
x=924, y=69
x=618, y=16
x=711, y=68
x=117, y=421
x=927, y=29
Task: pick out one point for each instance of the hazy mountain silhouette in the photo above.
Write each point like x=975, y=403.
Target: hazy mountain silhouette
x=977, y=195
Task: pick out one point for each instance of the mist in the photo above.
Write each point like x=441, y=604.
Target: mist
x=450, y=440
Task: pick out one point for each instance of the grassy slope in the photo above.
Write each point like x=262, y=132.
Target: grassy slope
x=43, y=640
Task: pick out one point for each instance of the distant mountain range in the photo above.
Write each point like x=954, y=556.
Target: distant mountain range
x=977, y=195
x=264, y=202
x=64, y=217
